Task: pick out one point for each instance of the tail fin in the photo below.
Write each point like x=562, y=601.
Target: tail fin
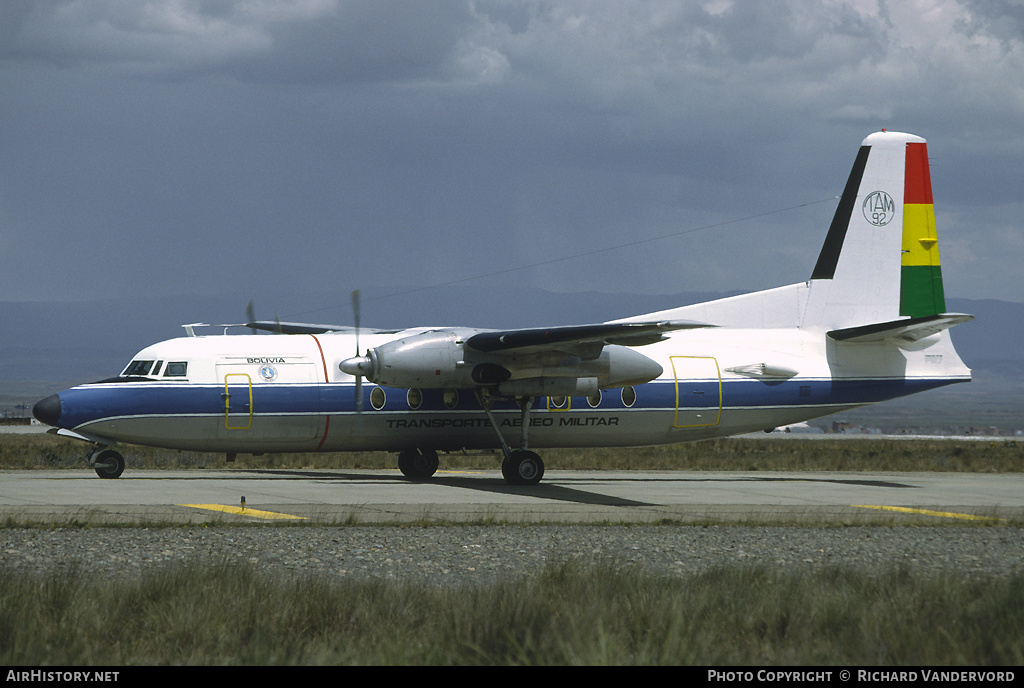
x=881, y=253
x=878, y=273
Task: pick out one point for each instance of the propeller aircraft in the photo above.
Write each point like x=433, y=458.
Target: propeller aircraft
x=867, y=326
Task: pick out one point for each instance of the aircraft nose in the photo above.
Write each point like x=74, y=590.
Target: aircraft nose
x=47, y=410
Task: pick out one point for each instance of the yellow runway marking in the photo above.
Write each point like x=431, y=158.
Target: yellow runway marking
x=927, y=512
x=239, y=511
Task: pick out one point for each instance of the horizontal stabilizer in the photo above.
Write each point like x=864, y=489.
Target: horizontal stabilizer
x=623, y=334
x=908, y=329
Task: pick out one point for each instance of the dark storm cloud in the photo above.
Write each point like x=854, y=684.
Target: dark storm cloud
x=218, y=146
x=305, y=41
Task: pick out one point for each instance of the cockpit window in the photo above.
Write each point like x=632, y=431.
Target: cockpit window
x=137, y=368
x=176, y=369
x=147, y=369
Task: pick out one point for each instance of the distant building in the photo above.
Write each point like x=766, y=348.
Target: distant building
x=842, y=427
x=800, y=428
x=977, y=430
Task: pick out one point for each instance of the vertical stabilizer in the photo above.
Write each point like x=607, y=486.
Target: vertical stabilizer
x=880, y=260
x=879, y=263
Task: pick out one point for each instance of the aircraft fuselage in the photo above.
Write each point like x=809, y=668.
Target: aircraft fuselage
x=246, y=393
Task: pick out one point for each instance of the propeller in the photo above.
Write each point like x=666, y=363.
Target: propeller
x=359, y=378
x=250, y=316
x=255, y=326
x=360, y=365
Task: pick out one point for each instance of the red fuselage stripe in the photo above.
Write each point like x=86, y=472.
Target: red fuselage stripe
x=327, y=419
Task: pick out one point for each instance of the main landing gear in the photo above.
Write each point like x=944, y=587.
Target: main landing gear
x=520, y=466
x=418, y=464
x=106, y=462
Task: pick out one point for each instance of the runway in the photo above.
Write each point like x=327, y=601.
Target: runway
x=239, y=496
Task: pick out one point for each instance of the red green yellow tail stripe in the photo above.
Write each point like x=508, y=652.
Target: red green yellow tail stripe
x=921, y=291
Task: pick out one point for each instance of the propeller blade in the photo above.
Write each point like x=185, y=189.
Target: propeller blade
x=359, y=378
x=250, y=316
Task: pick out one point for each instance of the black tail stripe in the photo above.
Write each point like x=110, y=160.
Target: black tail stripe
x=825, y=268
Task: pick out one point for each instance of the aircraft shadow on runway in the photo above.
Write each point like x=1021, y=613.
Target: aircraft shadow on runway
x=548, y=490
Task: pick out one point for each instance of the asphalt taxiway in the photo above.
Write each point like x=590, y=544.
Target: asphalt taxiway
x=385, y=496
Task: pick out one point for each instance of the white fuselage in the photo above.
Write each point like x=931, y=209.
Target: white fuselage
x=249, y=393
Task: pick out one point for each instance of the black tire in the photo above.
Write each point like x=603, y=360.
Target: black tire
x=113, y=464
x=522, y=467
x=418, y=464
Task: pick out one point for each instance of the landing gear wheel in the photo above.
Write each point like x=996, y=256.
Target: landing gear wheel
x=418, y=464
x=108, y=464
x=522, y=467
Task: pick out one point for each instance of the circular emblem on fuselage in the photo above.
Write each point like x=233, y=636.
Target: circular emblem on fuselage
x=268, y=372
x=879, y=208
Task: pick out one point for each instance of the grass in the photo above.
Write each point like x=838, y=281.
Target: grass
x=743, y=454
x=570, y=613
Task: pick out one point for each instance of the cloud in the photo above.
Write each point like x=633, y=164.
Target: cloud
x=348, y=141
x=307, y=41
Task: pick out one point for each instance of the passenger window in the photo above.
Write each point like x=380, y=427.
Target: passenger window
x=137, y=368
x=176, y=369
x=415, y=398
x=451, y=398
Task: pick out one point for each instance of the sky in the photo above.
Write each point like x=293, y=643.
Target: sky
x=204, y=147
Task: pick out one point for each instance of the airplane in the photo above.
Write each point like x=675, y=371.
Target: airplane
x=868, y=325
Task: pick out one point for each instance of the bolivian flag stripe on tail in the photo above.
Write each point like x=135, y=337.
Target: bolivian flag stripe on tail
x=921, y=277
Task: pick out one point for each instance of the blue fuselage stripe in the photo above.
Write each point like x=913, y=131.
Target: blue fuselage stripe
x=91, y=403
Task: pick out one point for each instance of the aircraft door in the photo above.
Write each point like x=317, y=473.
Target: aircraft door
x=237, y=397
x=698, y=391
x=274, y=403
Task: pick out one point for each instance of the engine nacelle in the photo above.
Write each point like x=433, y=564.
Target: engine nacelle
x=430, y=359
x=616, y=366
x=440, y=358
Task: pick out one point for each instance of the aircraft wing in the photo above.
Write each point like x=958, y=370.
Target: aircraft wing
x=576, y=337
x=295, y=328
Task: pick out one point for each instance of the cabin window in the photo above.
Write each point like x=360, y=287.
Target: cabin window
x=415, y=398
x=137, y=368
x=451, y=398
x=377, y=398
x=628, y=396
x=594, y=399
x=176, y=369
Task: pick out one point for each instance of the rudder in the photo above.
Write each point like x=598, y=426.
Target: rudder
x=921, y=290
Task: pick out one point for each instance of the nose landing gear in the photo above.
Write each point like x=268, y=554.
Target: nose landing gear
x=106, y=462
